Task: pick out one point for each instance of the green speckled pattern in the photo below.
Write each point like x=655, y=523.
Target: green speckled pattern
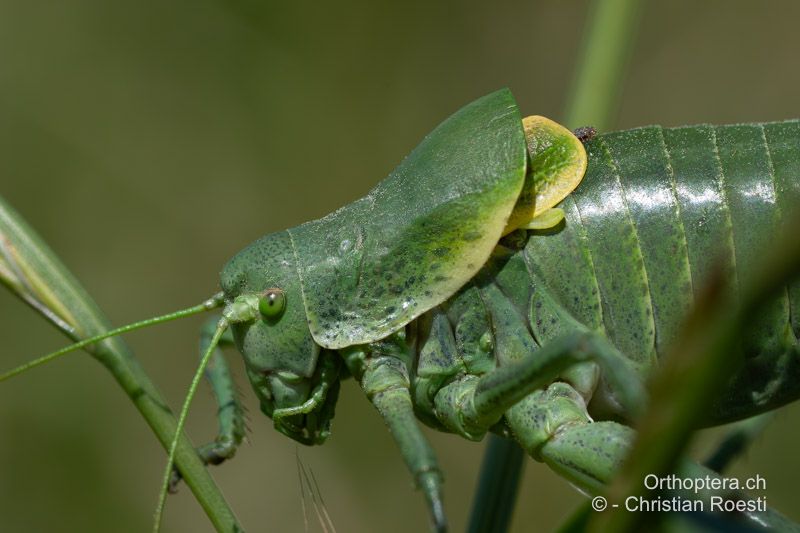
x=566, y=263
x=616, y=255
x=284, y=344
x=422, y=233
x=652, y=203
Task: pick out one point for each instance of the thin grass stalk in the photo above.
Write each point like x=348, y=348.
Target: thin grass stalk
x=736, y=441
x=496, y=494
x=611, y=28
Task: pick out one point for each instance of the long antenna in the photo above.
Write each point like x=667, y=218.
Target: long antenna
x=222, y=325
x=212, y=303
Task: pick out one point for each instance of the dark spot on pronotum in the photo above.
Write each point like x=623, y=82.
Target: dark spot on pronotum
x=440, y=252
x=585, y=133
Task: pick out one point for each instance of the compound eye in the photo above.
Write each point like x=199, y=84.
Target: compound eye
x=272, y=303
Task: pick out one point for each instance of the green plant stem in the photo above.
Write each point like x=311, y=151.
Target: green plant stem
x=607, y=43
x=78, y=316
x=610, y=29
x=496, y=493
x=736, y=441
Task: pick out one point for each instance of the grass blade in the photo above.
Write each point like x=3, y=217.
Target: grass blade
x=34, y=273
x=501, y=470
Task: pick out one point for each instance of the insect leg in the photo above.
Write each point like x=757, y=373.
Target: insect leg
x=230, y=411
x=543, y=419
x=471, y=405
x=386, y=383
x=589, y=454
x=552, y=426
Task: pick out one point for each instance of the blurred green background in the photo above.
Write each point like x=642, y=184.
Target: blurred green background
x=149, y=141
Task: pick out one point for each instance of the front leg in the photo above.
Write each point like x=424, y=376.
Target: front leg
x=230, y=411
x=385, y=381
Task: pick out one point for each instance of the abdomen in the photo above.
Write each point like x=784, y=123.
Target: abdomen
x=659, y=210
